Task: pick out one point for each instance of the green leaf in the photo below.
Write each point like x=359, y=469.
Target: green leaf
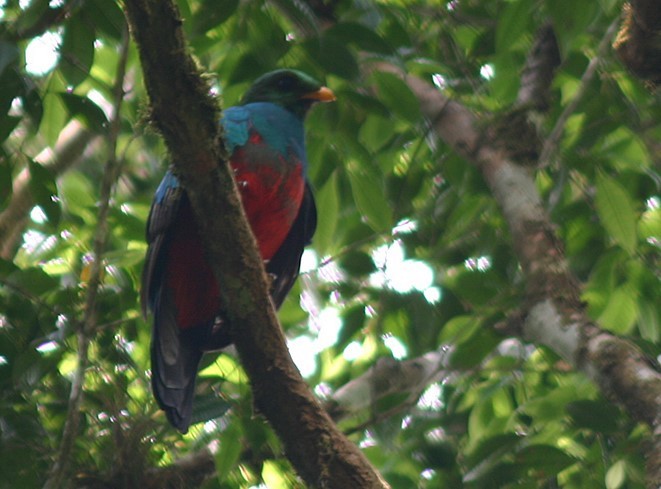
x=7, y=124
x=357, y=263
x=274, y=476
x=369, y=195
x=363, y=37
x=44, y=191
x=107, y=16
x=512, y=23
x=625, y=150
x=208, y=407
x=33, y=106
x=212, y=13
x=616, y=211
x=5, y=182
x=544, y=458
x=599, y=416
x=12, y=87
x=30, y=15
x=85, y=110
x=33, y=280
x=8, y=53
x=616, y=476
x=28, y=368
x=546, y=408
x=475, y=287
x=375, y=132
x=470, y=353
x=333, y=56
x=229, y=450
x=55, y=114
x=77, y=50
x=353, y=320
x=397, y=96
x=459, y=328
x=328, y=206
x=621, y=310
x=78, y=195
x=491, y=448
x=649, y=225
x=570, y=21
x=648, y=321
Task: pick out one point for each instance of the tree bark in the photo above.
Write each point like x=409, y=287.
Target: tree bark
x=637, y=43
x=187, y=117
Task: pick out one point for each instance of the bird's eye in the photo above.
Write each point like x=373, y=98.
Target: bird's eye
x=286, y=83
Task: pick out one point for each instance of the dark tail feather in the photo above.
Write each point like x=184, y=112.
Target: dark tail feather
x=174, y=368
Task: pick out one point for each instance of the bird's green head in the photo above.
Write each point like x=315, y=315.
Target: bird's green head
x=291, y=89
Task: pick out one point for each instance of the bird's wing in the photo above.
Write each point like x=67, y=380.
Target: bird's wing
x=162, y=215
x=174, y=359
x=285, y=264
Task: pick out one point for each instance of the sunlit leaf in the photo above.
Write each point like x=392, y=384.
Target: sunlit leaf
x=376, y=131
x=616, y=212
x=274, y=476
x=621, y=310
x=397, y=96
x=649, y=225
x=617, y=475
x=648, y=321
x=328, y=207
x=368, y=192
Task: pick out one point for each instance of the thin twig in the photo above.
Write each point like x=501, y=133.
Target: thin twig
x=553, y=140
x=60, y=468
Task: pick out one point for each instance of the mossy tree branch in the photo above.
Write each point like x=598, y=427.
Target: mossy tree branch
x=183, y=111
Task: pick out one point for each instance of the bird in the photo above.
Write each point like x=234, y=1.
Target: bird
x=264, y=136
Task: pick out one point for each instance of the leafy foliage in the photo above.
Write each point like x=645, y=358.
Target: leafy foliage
x=411, y=252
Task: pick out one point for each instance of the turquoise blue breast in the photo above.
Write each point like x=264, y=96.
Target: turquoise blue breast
x=281, y=130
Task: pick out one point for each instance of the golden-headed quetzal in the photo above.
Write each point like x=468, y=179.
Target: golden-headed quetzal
x=264, y=136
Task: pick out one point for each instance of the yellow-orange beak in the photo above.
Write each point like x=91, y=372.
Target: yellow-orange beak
x=324, y=94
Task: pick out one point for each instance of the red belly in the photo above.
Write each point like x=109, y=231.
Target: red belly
x=271, y=201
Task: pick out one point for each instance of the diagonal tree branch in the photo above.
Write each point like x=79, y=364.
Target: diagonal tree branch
x=537, y=75
x=187, y=117
x=554, y=314
x=407, y=378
